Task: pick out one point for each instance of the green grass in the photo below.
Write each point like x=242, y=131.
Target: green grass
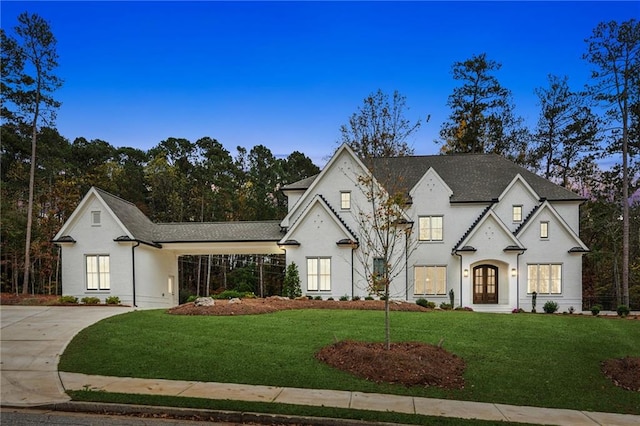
x=522, y=359
x=281, y=409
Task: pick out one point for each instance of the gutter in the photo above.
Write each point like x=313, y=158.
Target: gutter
x=133, y=270
x=455, y=252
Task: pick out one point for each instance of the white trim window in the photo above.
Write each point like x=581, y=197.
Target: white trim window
x=318, y=274
x=345, y=200
x=171, y=283
x=544, y=278
x=516, y=214
x=95, y=218
x=98, y=272
x=430, y=228
x=430, y=280
x=544, y=230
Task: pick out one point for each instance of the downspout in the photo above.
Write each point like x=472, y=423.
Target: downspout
x=133, y=270
x=353, y=249
x=460, y=256
x=518, y=279
x=406, y=268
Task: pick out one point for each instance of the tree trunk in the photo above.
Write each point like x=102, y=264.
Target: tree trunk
x=32, y=176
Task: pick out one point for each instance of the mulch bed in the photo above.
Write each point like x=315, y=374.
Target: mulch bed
x=623, y=372
x=407, y=363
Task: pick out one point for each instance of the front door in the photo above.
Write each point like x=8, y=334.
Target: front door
x=485, y=284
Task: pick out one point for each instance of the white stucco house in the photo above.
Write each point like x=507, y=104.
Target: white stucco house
x=482, y=226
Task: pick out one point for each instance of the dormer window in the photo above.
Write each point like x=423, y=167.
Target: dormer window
x=345, y=200
x=95, y=218
x=517, y=214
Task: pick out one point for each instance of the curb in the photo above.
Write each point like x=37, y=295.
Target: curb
x=203, y=415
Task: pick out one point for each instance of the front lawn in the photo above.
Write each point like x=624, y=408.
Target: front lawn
x=522, y=359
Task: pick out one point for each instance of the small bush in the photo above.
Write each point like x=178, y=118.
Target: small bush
x=112, y=300
x=192, y=298
x=466, y=308
x=446, y=306
x=422, y=302
x=368, y=298
x=344, y=298
x=330, y=298
x=68, y=299
x=355, y=298
x=550, y=307
x=230, y=294
x=595, y=310
x=623, y=311
x=90, y=300
x=291, y=286
x=317, y=298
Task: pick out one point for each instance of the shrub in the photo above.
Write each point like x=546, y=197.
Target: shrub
x=595, y=310
x=317, y=298
x=451, y=297
x=355, y=298
x=89, y=300
x=330, y=298
x=68, y=299
x=229, y=294
x=344, y=298
x=534, y=299
x=422, y=302
x=291, y=286
x=571, y=309
x=445, y=306
x=192, y=298
x=466, y=308
x=112, y=300
x=517, y=311
x=623, y=311
x=550, y=307
x=183, y=296
x=368, y=298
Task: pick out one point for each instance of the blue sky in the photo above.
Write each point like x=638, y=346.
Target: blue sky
x=287, y=75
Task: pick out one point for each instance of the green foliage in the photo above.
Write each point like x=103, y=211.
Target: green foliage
x=317, y=298
x=446, y=306
x=243, y=279
x=291, y=286
x=192, y=298
x=330, y=298
x=595, y=310
x=68, y=299
x=90, y=300
x=368, y=298
x=425, y=303
x=550, y=307
x=622, y=310
x=112, y=300
x=344, y=298
x=355, y=298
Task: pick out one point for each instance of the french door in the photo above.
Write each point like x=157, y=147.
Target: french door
x=485, y=284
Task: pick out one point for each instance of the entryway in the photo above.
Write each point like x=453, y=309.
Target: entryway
x=485, y=284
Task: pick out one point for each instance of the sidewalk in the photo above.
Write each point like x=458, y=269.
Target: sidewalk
x=346, y=399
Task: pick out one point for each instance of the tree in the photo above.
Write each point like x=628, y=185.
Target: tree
x=28, y=83
x=482, y=118
x=566, y=132
x=379, y=128
x=291, y=285
x=614, y=50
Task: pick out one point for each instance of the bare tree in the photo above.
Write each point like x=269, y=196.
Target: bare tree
x=614, y=51
x=28, y=82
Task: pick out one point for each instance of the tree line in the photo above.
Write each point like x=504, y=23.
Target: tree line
x=182, y=180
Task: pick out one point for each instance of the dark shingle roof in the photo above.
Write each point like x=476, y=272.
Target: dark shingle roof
x=301, y=184
x=143, y=229
x=471, y=177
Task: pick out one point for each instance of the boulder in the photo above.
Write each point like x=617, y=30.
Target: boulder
x=234, y=300
x=204, y=301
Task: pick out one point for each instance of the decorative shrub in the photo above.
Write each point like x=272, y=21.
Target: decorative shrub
x=291, y=286
x=466, y=308
x=595, y=310
x=192, y=298
x=534, y=299
x=445, y=306
x=330, y=298
x=112, y=300
x=68, y=299
x=623, y=311
x=317, y=298
x=90, y=300
x=517, y=311
x=230, y=294
x=355, y=298
x=451, y=297
x=550, y=307
x=344, y=298
x=422, y=302
x=368, y=298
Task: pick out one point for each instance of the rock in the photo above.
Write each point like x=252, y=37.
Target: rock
x=234, y=300
x=204, y=301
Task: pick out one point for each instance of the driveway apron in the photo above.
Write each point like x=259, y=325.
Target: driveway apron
x=31, y=342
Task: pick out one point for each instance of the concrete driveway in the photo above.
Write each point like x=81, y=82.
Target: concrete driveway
x=31, y=342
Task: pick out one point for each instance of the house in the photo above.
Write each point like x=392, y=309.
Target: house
x=481, y=227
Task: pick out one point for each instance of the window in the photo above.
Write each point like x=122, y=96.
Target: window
x=318, y=274
x=98, y=272
x=544, y=278
x=430, y=280
x=430, y=228
x=517, y=213
x=345, y=200
x=544, y=230
x=95, y=218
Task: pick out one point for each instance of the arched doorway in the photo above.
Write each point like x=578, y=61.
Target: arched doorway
x=485, y=284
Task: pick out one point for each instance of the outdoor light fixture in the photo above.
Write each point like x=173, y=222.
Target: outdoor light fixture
x=513, y=272
x=466, y=273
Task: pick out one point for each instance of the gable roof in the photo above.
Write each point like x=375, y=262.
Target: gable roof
x=471, y=177
x=140, y=228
